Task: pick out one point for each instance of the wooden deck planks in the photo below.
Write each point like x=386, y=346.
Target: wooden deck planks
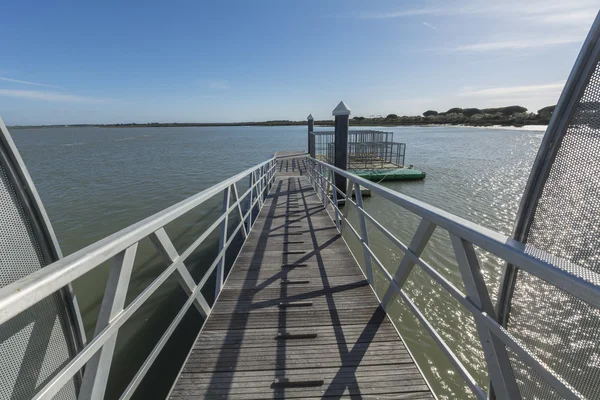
x=296, y=318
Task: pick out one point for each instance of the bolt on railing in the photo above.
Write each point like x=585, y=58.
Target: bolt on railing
x=121, y=248
x=464, y=235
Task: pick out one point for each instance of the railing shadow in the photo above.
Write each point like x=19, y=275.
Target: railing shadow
x=348, y=357
x=228, y=359
x=292, y=164
x=350, y=352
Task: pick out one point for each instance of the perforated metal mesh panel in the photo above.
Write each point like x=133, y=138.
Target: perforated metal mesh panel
x=34, y=346
x=561, y=330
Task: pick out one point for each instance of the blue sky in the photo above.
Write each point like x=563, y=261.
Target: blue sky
x=126, y=61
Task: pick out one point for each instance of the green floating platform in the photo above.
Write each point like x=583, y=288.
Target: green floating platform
x=389, y=174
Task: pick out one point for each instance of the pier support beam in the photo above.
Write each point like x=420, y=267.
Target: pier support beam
x=311, y=138
x=342, y=124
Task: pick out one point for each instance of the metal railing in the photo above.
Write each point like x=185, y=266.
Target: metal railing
x=464, y=235
x=121, y=248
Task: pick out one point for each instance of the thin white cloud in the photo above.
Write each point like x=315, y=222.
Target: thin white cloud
x=49, y=96
x=546, y=88
x=5, y=79
x=218, y=85
x=429, y=26
x=517, y=44
x=512, y=8
x=574, y=17
x=401, y=13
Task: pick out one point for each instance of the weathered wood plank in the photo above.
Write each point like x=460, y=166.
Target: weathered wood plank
x=296, y=319
x=337, y=300
x=296, y=308
x=294, y=270
x=351, y=334
x=276, y=281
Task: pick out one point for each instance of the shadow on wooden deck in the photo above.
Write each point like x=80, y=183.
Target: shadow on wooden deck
x=296, y=318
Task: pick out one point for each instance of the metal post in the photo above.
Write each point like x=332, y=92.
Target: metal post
x=265, y=180
x=98, y=368
x=250, y=196
x=268, y=177
x=261, y=176
x=271, y=174
x=342, y=123
x=311, y=128
x=222, y=241
x=347, y=202
x=335, y=201
x=257, y=187
x=323, y=194
x=363, y=233
x=499, y=367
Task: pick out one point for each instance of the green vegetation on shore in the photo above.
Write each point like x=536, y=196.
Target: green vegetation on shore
x=505, y=116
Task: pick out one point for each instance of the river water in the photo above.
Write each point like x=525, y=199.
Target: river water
x=96, y=181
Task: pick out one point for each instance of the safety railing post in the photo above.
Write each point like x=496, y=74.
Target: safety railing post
x=499, y=367
x=335, y=199
x=311, y=125
x=265, y=182
x=259, y=187
x=323, y=194
x=250, y=202
x=97, y=369
x=363, y=232
x=261, y=173
x=309, y=170
x=222, y=241
x=271, y=175
x=327, y=185
x=316, y=184
x=347, y=199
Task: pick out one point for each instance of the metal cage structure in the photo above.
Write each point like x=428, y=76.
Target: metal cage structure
x=366, y=149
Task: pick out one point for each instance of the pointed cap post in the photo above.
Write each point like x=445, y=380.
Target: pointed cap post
x=341, y=109
x=310, y=117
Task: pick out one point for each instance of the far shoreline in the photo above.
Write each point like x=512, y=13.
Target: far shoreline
x=509, y=116
x=532, y=127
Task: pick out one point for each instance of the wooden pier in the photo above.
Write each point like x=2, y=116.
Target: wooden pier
x=296, y=317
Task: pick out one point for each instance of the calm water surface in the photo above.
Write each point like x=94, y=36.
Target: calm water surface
x=96, y=181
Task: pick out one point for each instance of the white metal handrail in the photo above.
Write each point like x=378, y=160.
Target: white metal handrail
x=121, y=249
x=464, y=235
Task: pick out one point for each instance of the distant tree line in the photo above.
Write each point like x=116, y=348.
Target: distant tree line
x=506, y=116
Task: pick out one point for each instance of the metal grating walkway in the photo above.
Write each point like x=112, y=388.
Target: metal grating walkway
x=297, y=318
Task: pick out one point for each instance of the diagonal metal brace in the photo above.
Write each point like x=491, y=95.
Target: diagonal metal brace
x=97, y=369
x=499, y=366
x=417, y=245
x=165, y=247
x=236, y=199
